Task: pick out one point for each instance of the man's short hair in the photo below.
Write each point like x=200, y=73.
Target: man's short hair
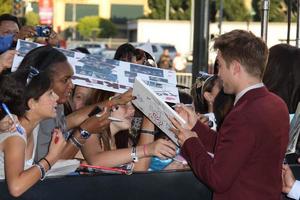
x=246, y=48
x=9, y=17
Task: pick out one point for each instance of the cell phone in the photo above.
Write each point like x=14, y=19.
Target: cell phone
x=95, y=111
x=43, y=31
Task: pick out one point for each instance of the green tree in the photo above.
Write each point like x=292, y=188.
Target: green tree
x=235, y=10
x=277, y=10
x=6, y=6
x=157, y=8
x=294, y=9
x=32, y=19
x=294, y=5
x=179, y=9
x=107, y=28
x=89, y=26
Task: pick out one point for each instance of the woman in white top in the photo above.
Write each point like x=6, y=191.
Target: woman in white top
x=27, y=94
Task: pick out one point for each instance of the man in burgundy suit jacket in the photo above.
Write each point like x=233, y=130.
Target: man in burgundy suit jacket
x=250, y=145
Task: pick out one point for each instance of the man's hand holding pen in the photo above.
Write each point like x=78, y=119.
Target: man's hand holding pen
x=187, y=114
x=181, y=133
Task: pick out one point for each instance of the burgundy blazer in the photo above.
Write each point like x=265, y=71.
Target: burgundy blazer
x=248, y=149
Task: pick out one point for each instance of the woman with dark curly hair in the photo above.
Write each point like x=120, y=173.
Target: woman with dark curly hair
x=29, y=95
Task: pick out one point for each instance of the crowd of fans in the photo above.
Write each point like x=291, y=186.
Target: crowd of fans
x=234, y=140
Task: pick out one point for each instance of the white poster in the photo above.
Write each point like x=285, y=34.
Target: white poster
x=111, y=75
x=154, y=108
x=294, y=132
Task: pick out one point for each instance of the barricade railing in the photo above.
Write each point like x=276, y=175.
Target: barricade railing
x=184, y=79
x=147, y=186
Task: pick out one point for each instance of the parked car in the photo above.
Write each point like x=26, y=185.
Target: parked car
x=108, y=53
x=95, y=48
x=158, y=49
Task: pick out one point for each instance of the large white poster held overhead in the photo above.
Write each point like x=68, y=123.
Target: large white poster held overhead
x=111, y=75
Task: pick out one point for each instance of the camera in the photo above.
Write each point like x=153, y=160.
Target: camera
x=43, y=31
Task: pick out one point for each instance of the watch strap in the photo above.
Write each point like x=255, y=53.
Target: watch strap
x=133, y=155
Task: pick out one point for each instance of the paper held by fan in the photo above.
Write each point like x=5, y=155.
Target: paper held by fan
x=155, y=108
x=294, y=132
x=63, y=167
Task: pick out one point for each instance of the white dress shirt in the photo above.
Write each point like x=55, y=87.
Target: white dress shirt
x=244, y=91
x=295, y=191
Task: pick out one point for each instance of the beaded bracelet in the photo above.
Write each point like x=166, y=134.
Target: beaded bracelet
x=42, y=170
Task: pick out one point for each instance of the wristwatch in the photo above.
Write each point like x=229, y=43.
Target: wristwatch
x=84, y=134
x=133, y=155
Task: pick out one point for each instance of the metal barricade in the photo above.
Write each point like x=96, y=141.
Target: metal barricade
x=184, y=79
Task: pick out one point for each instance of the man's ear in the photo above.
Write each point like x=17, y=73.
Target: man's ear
x=31, y=103
x=236, y=67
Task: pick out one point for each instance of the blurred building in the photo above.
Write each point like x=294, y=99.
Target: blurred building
x=66, y=13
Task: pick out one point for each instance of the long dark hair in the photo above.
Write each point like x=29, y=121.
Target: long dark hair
x=122, y=137
x=282, y=74
x=125, y=52
x=223, y=103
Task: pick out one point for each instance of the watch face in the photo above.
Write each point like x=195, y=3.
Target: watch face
x=85, y=134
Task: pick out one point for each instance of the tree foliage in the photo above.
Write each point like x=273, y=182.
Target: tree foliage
x=89, y=26
x=157, y=8
x=179, y=9
x=107, y=28
x=5, y=6
x=235, y=10
x=277, y=10
x=293, y=4
x=32, y=19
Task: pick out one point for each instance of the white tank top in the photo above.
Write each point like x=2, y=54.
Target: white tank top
x=28, y=163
